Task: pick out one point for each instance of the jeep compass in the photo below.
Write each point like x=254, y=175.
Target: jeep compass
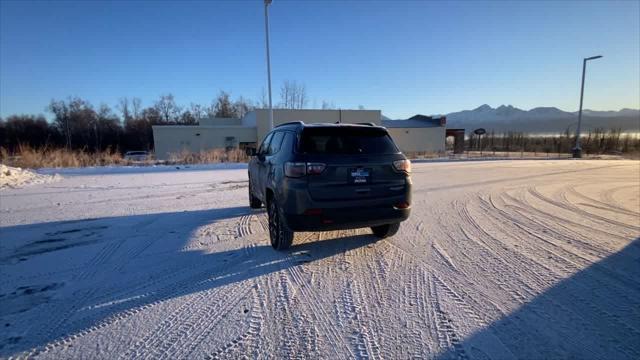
x=317, y=177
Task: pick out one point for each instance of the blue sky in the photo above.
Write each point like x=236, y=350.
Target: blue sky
x=401, y=57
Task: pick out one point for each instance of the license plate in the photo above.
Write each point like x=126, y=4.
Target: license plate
x=360, y=175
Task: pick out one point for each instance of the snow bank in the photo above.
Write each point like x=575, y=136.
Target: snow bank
x=11, y=177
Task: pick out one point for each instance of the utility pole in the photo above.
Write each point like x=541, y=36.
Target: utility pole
x=577, y=150
x=266, y=29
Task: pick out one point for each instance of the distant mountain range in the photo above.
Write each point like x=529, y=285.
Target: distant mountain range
x=541, y=119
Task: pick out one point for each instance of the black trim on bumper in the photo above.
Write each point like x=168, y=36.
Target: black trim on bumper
x=347, y=218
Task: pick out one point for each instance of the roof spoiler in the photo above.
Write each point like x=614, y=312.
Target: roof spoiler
x=366, y=123
x=290, y=123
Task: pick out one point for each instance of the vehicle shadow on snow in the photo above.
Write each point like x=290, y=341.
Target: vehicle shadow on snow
x=158, y=269
x=593, y=314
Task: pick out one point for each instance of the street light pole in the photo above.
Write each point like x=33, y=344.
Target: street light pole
x=266, y=28
x=577, y=150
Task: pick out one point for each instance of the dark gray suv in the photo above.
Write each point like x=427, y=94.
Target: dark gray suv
x=320, y=177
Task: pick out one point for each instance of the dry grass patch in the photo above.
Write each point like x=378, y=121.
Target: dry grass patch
x=27, y=157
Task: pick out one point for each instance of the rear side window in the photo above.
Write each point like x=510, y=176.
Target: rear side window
x=276, y=141
x=337, y=140
x=288, y=141
x=265, y=144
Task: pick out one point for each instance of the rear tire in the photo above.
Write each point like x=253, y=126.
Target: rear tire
x=254, y=202
x=384, y=231
x=281, y=236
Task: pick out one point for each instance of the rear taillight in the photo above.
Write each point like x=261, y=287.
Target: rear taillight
x=300, y=169
x=402, y=165
x=295, y=169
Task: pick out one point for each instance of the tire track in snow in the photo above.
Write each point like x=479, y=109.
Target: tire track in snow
x=170, y=269
x=165, y=335
x=62, y=310
x=537, y=222
x=170, y=291
x=192, y=322
x=202, y=320
x=357, y=316
x=317, y=312
x=572, y=208
x=608, y=205
x=249, y=340
x=572, y=261
x=138, y=303
x=550, y=280
x=353, y=311
x=608, y=196
x=446, y=334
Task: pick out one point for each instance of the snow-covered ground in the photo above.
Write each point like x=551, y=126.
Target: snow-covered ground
x=500, y=259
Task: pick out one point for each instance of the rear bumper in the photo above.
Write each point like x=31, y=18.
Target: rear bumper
x=346, y=218
x=338, y=215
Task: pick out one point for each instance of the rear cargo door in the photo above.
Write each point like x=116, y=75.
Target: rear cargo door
x=358, y=163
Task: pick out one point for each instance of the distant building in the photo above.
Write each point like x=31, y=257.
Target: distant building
x=417, y=134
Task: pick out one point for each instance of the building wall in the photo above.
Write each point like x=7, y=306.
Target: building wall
x=281, y=116
x=175, y=139
x=419, y=139
x=213, y=121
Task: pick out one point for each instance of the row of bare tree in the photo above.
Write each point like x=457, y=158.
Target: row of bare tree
x=596, y=141
x=77, y=124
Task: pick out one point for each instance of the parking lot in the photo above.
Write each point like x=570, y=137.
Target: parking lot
x=499, y=259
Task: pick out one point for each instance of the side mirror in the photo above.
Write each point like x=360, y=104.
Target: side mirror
x=250, y=151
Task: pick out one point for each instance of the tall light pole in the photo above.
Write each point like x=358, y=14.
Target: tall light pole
x=577, y=150
x=266, y=30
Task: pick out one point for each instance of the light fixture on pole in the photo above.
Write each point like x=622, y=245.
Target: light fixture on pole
x=577, y=150
x=266, y=28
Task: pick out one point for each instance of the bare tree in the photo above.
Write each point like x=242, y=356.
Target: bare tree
x=123, y=106
x=242, y=106
x=136, y=108
x=187, y=118
x=197, y=111
x=60, y=110
x=293, y=95
x=168, y=109
x=152, y=116
x=222, y=106
x=301, y=97
x=83, y=127
x=284, y=95
x=107, y=128
x=264, y=101
x=328, y=105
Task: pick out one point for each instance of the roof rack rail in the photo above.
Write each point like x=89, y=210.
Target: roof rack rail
x=366, y=123
x=290, y=123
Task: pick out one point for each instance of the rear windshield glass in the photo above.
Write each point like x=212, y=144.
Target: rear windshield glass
x=337, y=140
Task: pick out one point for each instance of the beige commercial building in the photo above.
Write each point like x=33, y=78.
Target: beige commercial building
x=417, y=134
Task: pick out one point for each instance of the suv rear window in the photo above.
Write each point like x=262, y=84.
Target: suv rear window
x=343, y=140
